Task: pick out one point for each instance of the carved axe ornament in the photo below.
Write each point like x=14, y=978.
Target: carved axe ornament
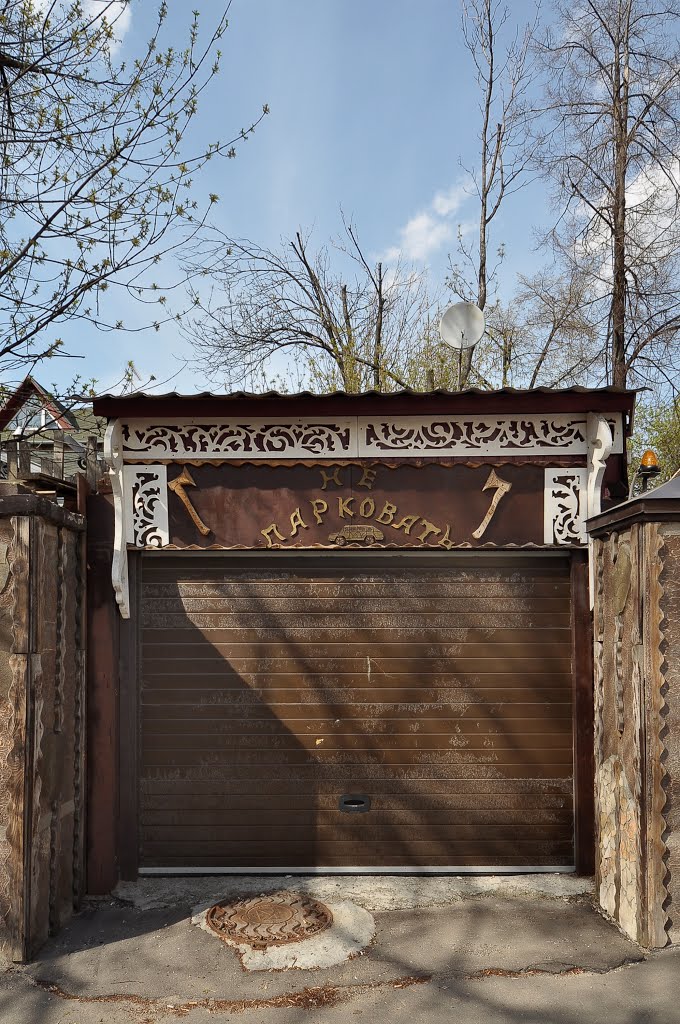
x=177, y=486
x=501, y=487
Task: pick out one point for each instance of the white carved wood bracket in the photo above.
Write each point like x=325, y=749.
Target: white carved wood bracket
x=601, y=443
x=145, y=490
x=600, y=447
x=564, y=506
x=113, y=452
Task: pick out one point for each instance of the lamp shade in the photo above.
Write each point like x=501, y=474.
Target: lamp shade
x=649, y=460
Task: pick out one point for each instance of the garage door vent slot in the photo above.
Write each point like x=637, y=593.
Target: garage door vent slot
x=353, y=804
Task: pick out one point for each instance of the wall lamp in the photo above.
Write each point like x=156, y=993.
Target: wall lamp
x=648, y=468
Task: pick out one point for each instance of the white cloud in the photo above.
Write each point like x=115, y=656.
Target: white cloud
x=422, y=235
x=430, y=229
x=447, y=203
x=653, y=230
x=117, y=12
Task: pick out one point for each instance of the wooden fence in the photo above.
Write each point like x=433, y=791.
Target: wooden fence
x=636, y=550
x=42, y=718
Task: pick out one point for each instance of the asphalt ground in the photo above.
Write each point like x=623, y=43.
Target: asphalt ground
x=442, y=950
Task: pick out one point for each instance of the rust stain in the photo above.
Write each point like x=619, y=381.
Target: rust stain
x=308, y=998
x=525, y=972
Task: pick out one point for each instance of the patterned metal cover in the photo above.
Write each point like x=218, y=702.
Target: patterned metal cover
x=273, y=920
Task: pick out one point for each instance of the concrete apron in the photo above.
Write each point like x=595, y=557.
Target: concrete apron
x=393, y=933
x=375, y=893
x=353, y=927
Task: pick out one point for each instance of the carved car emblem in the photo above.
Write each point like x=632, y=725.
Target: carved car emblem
x=356, y=535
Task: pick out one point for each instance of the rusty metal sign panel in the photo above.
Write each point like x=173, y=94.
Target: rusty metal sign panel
x=356, y=506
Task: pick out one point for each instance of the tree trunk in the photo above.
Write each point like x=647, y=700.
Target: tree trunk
x=620, y=140
x=377, y=345
x=466, y=360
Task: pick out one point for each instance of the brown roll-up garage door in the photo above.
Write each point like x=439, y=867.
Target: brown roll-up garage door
x=355, y=712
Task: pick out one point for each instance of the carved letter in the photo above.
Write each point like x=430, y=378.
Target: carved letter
x=328, y=478
x=296, y=521
x=367, y=508
x=406, y=524
x=273, y=529
x=429, y=528
x=387, y=514
x=502, y=487
x=319, y=506
x=343, y=508
x=446, y=541
x=367, y=478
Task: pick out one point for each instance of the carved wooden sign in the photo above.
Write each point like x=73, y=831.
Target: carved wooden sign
x=192, y=479
x=355, y=505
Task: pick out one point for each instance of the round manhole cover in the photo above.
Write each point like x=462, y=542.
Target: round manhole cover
x=261, y=921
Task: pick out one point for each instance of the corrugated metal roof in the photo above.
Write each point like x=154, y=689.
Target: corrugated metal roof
x=439, y=393
x=670, y=491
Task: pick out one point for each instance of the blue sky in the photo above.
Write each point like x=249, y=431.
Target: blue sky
x=373, y=109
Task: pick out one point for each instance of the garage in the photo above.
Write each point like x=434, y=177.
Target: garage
x=356, y=713
x=346, y=633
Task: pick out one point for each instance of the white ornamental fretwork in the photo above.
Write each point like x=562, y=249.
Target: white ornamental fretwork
x=498, y=435
x=146, y=502
x=168, y=440
x=259, y=439
x=564, y=506
x=493, y=436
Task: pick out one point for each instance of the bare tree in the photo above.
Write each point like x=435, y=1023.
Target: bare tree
x=611, y=147
x=96, y=184
x=657, y=426
x=344, y=321
x=557, y=342
x=504, y=76
x=543, y=336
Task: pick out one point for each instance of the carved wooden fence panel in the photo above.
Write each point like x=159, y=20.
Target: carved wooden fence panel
x=637, y=718
x=42, y=716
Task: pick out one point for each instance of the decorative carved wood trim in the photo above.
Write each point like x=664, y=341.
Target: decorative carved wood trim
x=463, y=435
x=564, y=506
x=636, y=593
x=150, y=444
x=600, y=446
x=362, y=437
x=79, y=723
x=230, y=438
x=14, y=890
x=145, y=490
x=60, y=652
x=657, y=777
x=113, y=451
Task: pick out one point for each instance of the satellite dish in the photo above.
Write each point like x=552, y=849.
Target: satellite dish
x=462, y=325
